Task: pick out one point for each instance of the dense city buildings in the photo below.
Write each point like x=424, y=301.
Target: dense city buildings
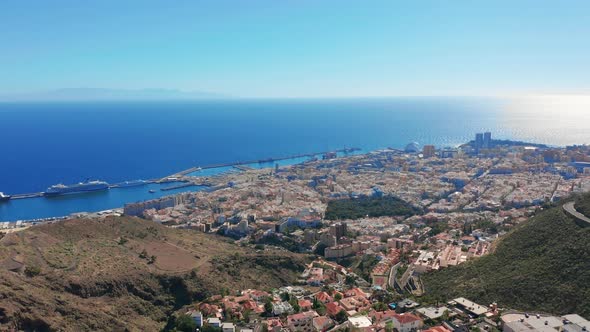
x=422, y=211
x=428, y=151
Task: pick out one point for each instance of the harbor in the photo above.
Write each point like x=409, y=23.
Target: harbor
x=38, y=205
x=244, y=165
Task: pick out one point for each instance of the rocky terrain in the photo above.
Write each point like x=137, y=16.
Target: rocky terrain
x=123, y=273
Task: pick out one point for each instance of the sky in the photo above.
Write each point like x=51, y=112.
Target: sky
x=297, y=48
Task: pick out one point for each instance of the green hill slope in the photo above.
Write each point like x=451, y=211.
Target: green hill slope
x=543, y=265
x=583, y=205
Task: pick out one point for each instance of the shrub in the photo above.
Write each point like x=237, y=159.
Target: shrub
x=32, y=271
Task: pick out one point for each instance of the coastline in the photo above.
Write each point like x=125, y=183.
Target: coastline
x=162, y=187
x=192, y=178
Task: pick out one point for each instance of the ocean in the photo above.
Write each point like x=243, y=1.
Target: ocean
x=68, y=142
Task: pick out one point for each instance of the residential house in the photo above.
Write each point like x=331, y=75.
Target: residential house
x=323, y=297
x=228, y=327
x=197, y=316
x=304, y=305
x=333, y=308
x=214, y=321
x=274, y=324
x=407, y=322
x=302, y=321
x=282, y=308
x=439, y=328
x=382, y=317
x=359, y=321
x=322, y=323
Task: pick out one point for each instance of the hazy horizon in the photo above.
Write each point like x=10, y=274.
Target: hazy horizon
x=158, y=94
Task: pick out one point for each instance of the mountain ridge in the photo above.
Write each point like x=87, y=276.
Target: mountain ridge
x=107, y=94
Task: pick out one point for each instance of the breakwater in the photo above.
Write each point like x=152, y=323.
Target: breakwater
x=238, y=164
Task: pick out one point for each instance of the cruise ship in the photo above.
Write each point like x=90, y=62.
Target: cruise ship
x=61, y=189
x=4, y=197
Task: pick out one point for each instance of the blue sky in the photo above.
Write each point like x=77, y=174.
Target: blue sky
x=299, y=48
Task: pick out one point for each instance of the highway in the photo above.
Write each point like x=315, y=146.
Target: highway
x=571, y=210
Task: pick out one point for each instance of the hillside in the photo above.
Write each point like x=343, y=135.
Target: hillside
x=122, y=273
x=582, y=205
x=543, y=265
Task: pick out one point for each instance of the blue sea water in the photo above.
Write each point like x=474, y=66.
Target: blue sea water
x=49, y=143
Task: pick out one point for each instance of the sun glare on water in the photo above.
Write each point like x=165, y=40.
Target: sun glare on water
x=551, y=119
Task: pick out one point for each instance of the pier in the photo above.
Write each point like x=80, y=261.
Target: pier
x=242, y=167
x=29, y=195
x=187, y=184
x=238, y=164
x=122, y=184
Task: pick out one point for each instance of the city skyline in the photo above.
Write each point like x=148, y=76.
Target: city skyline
x=266, y=49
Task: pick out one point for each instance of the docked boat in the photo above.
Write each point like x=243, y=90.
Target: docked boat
x=88, y=186
x=133, y=183
x=4, y=197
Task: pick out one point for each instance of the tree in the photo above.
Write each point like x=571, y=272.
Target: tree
x=445, y=316
x=247, y=315
x=295, y=304
x=143, y=254
x=210, y=328
x=337, y=297
x=389, y=326
x=268, y=307
x=285, y=296
x=315, y=304
x=341, y=316
x=380, y=306
x=319, y=307
x=320, y=249
x=31, y=271
x=350, y=280
x=152, y=259
x=185, y=323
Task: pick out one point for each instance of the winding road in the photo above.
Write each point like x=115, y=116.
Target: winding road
x=571, y=210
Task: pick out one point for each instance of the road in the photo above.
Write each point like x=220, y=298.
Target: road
x=570, y=209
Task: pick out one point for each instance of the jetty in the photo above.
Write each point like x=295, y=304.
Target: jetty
x=235, y=164
x=242, y=167
x=187, y=184
x=29, y=195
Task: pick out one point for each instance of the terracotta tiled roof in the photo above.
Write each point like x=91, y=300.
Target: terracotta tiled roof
x=333, y=308
x=407, y=318
x=304, y=304
x=323, y=296
x=382, y=315
x=437, y=329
